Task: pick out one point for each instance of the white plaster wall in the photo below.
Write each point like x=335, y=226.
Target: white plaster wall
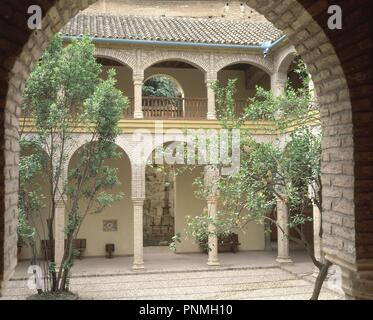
x=92, y=228
x=186, y=204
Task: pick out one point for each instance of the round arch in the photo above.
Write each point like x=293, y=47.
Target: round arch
x=328, y=73
x=284, y=59
x=116, y=55
x=173, y=79
x=256, y=61
x=191, y=59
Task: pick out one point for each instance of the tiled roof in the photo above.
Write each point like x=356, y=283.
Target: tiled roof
x=172, y=29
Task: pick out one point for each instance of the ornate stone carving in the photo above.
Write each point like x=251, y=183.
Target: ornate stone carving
x=124, y=56
x=223, y=60
x=198, y=59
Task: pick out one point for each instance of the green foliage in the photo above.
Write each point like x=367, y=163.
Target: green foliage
x=174, y=241
x=30, y=197
x=160, y=86
x=269, y=171
x=225, y=101
x=64, y=93
x=26, y=233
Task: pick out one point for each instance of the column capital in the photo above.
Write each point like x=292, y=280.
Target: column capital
x=60, y=201
x=209, y=80
x=138, y=77
x=282, y=200
x=138, y=81
x=212, y=199
x=138, y=201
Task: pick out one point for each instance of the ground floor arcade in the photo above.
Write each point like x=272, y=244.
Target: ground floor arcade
x=155, y=207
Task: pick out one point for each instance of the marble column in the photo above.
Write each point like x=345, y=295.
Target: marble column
x=211, y=182
x=213, y=258
x=282, y=232
x=138, y=248
x=211, y=104
x=137, y=84
x=278, y=83
x=138, y=198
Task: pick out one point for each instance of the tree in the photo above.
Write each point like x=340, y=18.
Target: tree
x=64, y=94
x=268, y=171
x=160, y=86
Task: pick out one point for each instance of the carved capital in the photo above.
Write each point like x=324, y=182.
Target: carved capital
x=138, y=201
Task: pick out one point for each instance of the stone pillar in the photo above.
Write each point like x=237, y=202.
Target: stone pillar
x=213, y=259
x=278, y=83
x=138, y=198
x=138, y=249
x=211, y=104
x=137, y=85
x=282, y=231
x=356, y=280
x=211, y=177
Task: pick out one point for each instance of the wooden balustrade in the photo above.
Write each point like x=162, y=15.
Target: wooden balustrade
x=163, y=107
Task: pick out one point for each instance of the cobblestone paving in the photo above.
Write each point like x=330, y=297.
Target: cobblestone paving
x=239, y=284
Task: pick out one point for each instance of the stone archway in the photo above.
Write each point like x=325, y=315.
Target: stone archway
x=341, y=68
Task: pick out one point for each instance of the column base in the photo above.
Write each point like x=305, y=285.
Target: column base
x=138, y=267
x=213, y=263
x=211, y=116
x=284, y=260
x=138, y=115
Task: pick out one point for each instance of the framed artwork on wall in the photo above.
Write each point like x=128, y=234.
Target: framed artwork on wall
x=110, y=225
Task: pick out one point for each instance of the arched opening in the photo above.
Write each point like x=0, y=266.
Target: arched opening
x=189, y=99
x=247, y=77
x=347, y=163
x=163, y=96
x=170, y=197
x=34, y=202
x=114, y=225
x=124, y=75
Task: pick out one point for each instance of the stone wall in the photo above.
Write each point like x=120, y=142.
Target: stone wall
x=192, y=8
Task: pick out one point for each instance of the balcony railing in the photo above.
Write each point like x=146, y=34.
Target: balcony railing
x=175, y=108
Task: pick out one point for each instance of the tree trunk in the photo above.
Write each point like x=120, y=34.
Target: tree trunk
x=320, y=280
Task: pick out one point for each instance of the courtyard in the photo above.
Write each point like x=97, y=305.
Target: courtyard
x=169, y=276
x=308, y=182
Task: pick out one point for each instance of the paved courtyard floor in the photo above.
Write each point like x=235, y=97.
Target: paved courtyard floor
x=244, y=275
